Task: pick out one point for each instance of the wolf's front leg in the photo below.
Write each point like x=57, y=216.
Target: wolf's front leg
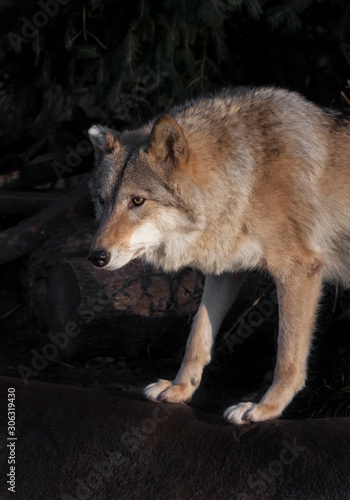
x=218, y=295
x=298, y=297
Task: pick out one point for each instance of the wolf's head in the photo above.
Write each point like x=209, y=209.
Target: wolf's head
x=144, y=195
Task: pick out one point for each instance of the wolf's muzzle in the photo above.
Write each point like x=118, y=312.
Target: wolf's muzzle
x=99, y=258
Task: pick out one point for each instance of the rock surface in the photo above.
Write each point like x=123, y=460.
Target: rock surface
x=86, y=444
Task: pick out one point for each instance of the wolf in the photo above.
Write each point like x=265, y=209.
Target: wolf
x=247, y=178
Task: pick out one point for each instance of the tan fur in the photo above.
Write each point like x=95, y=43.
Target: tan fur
x=112, y=143
x=246, y=179
x=118, y=228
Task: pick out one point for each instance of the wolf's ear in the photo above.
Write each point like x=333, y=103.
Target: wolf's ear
x=168, y=142
x=104, y=140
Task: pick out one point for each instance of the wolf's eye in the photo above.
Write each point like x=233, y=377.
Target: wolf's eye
x=100, y=199
x=137, y=201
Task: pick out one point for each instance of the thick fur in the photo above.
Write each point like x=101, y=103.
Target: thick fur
x=244, y=179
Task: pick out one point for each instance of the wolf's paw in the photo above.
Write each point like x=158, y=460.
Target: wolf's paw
x=163, y=390
x=244, y=413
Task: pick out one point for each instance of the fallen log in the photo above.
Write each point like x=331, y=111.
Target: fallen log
x=75, y=443
x=26, y=203
x=23, y=238
x=27, y=177
x=128, y=308
x=36, y=174
x=128, y=312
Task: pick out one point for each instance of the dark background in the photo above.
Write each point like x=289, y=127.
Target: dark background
x=129, y=60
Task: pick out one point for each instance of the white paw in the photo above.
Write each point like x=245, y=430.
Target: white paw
x=244, y=413
x=237, y=414
x=166, y=391
x=153, y=391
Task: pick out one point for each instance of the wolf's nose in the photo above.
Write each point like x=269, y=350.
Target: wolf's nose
x=99, y=258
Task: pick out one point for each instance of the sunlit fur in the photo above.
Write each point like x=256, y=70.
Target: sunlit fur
x=244, y=179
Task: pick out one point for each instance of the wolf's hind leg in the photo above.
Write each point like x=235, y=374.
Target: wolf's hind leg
x=218, y=295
